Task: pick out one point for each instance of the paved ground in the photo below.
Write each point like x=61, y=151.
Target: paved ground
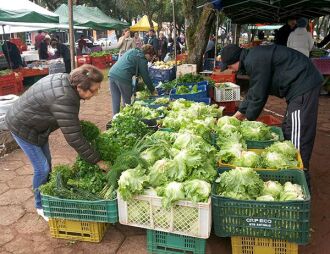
x=22, y=231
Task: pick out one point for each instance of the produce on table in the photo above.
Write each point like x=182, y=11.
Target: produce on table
x=89, y=130
x=142, y=95
x=5, y=72
x=99, y=54
x=186, y=90
x=185, y=79
x=246, y=184
x=140, y=112
x=163, y=66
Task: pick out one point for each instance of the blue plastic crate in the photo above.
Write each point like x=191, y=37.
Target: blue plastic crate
x=199, y=95
x=206, y=100
x=159, y=75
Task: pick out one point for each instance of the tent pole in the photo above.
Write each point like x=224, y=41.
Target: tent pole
x=216, y=37
x=174, y=39
x=71, y=34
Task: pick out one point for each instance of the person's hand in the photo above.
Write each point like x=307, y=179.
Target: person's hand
x=154, y=93
x=239, y=116
x=103, y=165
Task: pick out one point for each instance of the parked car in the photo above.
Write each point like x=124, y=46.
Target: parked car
x=105, y=43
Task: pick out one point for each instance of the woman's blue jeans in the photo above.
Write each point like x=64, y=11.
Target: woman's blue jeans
x=41, y=161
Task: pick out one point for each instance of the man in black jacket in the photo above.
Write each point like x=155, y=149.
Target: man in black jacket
x=285, y=73
x=282, y=35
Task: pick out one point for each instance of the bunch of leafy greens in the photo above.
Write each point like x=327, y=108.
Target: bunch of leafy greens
x=89, y=130
x=83, y=181
x=140, y=112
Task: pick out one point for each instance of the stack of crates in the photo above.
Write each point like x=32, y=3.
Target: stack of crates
x=10, y=84
x=79, y=220
x=263, y=227
x=225, y=92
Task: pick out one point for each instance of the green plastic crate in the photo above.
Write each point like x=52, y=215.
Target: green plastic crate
x=82, y=210
x=166, y=243
x=285, y=220
x=263, y=144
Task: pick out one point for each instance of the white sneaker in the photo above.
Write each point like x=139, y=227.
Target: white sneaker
x=41, y=213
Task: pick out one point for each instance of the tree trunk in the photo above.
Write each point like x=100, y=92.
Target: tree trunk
x=197, y=31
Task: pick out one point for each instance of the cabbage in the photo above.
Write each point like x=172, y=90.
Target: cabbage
x=288, y=196
x=286, y=148
x=131, y=182
x=229, y=120
x=158, y=174
x=257, y=131
x=266, y=198
x=197, y=190
x=242, y=183
x=272, y=188
x=277, y=160
x=171, y=193
x=229, y=152
x=248, y=159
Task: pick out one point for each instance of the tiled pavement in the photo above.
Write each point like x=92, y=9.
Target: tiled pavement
x=22, y=231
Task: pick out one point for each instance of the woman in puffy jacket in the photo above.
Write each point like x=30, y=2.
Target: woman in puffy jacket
x=300, y=39
x=51, y=103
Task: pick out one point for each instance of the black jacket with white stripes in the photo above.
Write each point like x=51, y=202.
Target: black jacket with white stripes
x=275, y=70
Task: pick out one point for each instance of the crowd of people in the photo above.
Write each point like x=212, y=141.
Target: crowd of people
x=162, y=45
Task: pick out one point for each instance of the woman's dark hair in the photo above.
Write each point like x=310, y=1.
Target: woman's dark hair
x=148, y=49
x=85, y=76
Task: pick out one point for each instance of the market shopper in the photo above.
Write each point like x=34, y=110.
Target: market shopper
x=282, y=35
x=285, y=73
x=162, y=46
x=62, y=51
x=51, y=103
x=125, y=42
x=133, y=63
x=43, y=48
x=138, y=41
x=300, y=39
x=151, y=39
x=38, y=39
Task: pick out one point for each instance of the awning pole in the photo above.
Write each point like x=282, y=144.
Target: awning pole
x=216, y=37
x=71, y=35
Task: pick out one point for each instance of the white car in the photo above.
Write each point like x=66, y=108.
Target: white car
x=105, y=43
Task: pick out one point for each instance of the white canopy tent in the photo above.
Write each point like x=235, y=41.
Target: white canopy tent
x=20, y=27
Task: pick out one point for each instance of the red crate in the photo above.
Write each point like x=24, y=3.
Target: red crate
x=26, y=72
x=270, y=120
x=100, y=65
x=99, y=60
x=84, y=59
x=230, y=107
x=11, y=87
x=182, y=57
x=108, y=59
x=322, y=64
x=219, y=77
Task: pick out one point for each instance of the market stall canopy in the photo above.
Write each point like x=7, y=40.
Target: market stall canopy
x=20, y=27
x=91, y=17
x=25, y=11
x=273, y=11
x=266, y=27
x=143, y=25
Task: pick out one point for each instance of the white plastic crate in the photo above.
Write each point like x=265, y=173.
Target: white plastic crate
x=185, y=218
x=185, y=69
x=231, y=92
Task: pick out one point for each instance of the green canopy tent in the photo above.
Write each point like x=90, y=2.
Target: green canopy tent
x=25, y=11
x=275, y=11
x=91, y=17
